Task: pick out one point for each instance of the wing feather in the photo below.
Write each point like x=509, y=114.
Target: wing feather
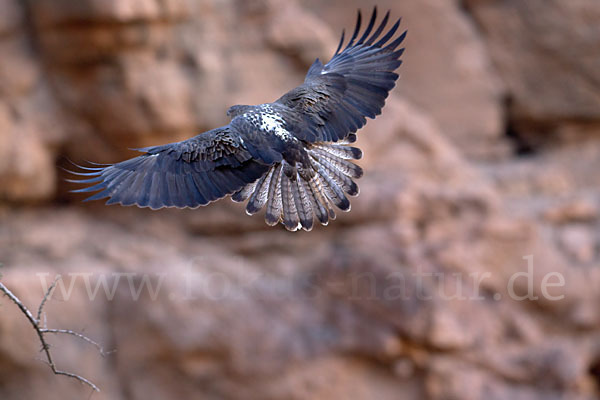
x=336, y=98
x=191, y=173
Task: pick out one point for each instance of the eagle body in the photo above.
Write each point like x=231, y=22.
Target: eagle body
x=293, y=157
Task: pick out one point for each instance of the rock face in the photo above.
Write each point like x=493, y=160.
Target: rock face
x=30, y=119
x=545, y=53
x=449, y=279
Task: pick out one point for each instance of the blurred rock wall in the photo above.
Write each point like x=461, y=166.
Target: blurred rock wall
x=483, y=161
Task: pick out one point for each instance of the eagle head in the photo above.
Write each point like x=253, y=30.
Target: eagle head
x=236, y=110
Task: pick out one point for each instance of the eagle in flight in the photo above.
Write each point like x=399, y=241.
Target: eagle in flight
x=292, y=157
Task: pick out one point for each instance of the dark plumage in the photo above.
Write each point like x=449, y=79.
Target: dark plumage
x=292, y=157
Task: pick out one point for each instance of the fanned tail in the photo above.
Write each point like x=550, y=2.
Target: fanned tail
x=294, y=196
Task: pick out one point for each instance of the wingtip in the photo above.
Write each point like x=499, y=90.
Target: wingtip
x=98, y=164
x=356, y=29
x=93, y=173
x=374, y=13
x=337, y=51
x=140, y=149
x=85, y=181
x=386, y=17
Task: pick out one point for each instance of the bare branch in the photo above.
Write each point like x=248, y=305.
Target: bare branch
x=16, y=300
x=42, y=330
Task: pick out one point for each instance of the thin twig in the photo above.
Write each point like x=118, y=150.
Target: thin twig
x=46, y=296
x=36, y=323
x=101, y=350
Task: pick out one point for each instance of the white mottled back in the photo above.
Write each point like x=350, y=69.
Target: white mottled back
x=265, y=118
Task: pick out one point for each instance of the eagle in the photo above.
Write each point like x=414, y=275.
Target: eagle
x=292, y=157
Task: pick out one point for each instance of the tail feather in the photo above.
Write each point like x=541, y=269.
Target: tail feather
x=303, y=203
x=244, y=193
x=320, y=204
x=258, y=199
x=344, y=166
x=290, y=213
x=333, y=192
x=343, y=152
x=323, y=195
x=274, y=203
x=342, y=180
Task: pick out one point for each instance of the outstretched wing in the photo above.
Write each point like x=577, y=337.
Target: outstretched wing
x=336, y=98
x=191, y=173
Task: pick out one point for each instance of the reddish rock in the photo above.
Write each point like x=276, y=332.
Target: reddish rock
x=423, y=290
x=544, y=53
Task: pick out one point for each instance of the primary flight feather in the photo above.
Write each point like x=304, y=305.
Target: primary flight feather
x=292, y=157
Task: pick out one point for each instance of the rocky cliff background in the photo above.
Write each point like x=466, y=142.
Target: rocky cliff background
x=468, y=268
